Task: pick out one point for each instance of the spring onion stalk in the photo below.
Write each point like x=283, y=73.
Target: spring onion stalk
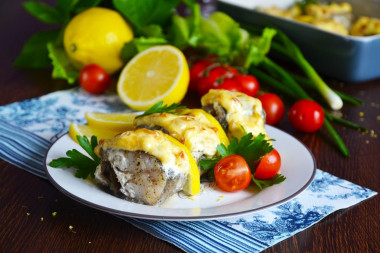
x=262, y=76
x=267, y=63
x=334, y=101
x=345, y=122
x=308, y=83
x=292, y=91
x=342, y=147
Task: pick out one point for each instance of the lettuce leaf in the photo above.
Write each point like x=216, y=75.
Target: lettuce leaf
x=143, y=13
x=62, y=67
x=138, y=45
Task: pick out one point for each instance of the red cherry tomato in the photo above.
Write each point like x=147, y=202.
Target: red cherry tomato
x=269, y=165
x=273, y=107
x=214, y=77
x=249, y=84
x=306, y=116
x=232, y=173
x=230, y=84
x=197, y=71
x=94, y=79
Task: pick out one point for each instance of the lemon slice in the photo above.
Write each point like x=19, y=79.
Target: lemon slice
x=221, y=134
x=157, y=73
x=193, y=184
x=111, y=121
x=88, y=131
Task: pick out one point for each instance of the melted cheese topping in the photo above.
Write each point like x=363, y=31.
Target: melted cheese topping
x=242, y=111
x=190, y=127
x=156, y=143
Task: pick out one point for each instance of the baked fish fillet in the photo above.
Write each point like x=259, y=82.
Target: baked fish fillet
x=194, y=128
x=146, y=166
x=236, y=112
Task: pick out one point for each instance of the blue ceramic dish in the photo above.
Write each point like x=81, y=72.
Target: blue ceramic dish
x=343, y=57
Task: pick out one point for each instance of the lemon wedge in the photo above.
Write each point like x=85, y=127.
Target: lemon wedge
x=157, y=73
x=111, y=121
x=221, y=134
x=193, y=184
x=88, y=131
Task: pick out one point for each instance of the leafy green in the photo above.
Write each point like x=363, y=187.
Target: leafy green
x=152, y=31
x=278, y=178
x=43, y=12
x=83, y=164
x=143, y=13
x=62, y=66
x=259, y=48
x=159, y=108
x=208, y=164
x=184, y=31
x=219, y=35
x=252, y=150
x=77, y=6
x=34, y=53
x=137, y=45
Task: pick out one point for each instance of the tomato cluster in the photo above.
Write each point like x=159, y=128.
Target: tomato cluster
x=207, y=74
x=232, y=173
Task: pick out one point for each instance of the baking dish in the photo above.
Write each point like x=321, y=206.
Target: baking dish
x=343, y=57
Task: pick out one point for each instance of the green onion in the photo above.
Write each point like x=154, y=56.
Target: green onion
x=308, y=83
x=262, y=76
x=267, y=63
x=342, y=147
x=293, y=89
x=296, y=55
x=345, y=122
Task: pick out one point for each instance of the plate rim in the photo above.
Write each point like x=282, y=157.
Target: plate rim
x=178, y=218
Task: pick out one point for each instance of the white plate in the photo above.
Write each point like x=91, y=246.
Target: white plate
x=298, y=165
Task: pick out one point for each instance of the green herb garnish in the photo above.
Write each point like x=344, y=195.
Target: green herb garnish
x=252, y=150
x=85, y=165
x=159, y=108
x=278, y=178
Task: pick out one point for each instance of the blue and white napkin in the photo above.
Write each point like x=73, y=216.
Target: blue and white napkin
x=28, y=128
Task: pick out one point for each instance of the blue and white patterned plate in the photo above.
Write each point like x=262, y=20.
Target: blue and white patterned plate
x=298, y=165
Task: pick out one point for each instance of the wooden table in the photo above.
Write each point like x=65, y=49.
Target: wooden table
x=27, y=202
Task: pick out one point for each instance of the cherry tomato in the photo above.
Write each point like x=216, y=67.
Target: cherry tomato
x=232, y=173
x=273, y=107
x=197, y=71
x=230, y=84
x=214, y=77
x=306, y=116
x=94, y=79
x=249, y=84
x=269, y=165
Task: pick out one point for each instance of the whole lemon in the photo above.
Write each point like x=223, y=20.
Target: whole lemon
x=97, y=35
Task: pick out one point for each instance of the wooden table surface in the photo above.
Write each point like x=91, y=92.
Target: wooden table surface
x=352, y=230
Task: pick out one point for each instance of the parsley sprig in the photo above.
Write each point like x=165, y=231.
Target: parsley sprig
x=252, y=150
x=83, y=164
x=160, y=108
